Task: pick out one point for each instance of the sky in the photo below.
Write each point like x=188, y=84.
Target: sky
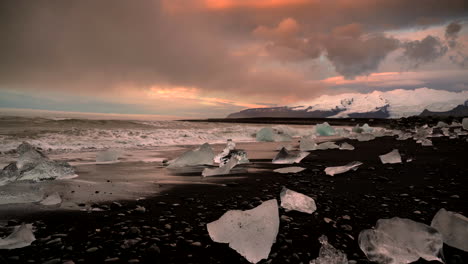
x=209, y=58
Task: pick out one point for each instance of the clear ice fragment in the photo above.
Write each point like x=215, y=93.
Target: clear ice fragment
x=329, y=254
x=21, y=237
x=342, y=169
x=291, y=200
x=289, y=157
x=453, y=227
x=251, y=233
x=391, y=157
x=203, y=155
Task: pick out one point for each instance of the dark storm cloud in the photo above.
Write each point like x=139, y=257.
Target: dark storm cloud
x=427, y=50
x=451, y=33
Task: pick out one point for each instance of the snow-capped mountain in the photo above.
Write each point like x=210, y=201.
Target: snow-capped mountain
x=389, y=104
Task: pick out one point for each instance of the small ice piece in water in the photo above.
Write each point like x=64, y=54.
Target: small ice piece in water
x=223, y=170
x=324, y=129
x=307, y=144
x=346, y=146
x=269, y=134
x=52, y=199
x=251, y=233
x=453, y=227
x=291, y=200
x=21, y=237
x=229, y=146
x=289, y=170
x=399, y=241
x=289, y=157
x=391, y=157
x=109, y=155
x=329, y=254
x=327, y=145
x=201, y=156
x=342, y=169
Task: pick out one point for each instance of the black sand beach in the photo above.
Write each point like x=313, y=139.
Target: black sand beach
x=172, y=229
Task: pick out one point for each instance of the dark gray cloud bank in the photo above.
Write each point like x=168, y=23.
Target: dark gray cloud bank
x=92, y=46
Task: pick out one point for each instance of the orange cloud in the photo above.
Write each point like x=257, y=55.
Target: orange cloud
x=189, y=5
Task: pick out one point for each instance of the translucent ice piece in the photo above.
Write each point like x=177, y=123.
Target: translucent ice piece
x=251, y=233
x=52, y=199
x=327, y=145
x=307, y=144
x=400, y=241
x=229, y=146
x=223, y=170
x=324, y=129
x=346, y=146
x=365, y=137
x=201, y=156
x=48, y=170
x=21, y=237
x=453, y=227
x=289, y=170
x=328, y=254
x=268, y=134
x=291, y=200
x=289, y=157
x=9, y=174
x=391, y=157
x=110, y=155
x=342, y=169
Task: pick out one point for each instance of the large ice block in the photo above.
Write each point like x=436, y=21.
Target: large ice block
x=21, y=237
x=201, y=156
x=400, y=241
x=29, y=156
x=342, y=169
x=391, y=157
x=289, y=157
x=291, y=200
x=251, y=233
x=329, y=254
x=324, y=129
x=48, y=170
x=453, y=227
x=229, y=146
x=109, y=155
x=9, y=174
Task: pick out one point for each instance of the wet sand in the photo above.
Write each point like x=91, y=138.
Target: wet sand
x=173, y=227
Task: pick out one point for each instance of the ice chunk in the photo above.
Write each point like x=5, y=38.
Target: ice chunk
x=367, y=129
x=441, y=124
x=52, y=199
x=342, y=132
x=229, y=146
x=109, y=155
x=268, y=134
x=455, y=124
x=399, y=241
x=48, y=170
x=391, y=157
x=223, y=170
x=289, y=170
x=35, y=166
x=289, y=157
x=365, y=137
x=404, y=136
x=453, y=227
x=201, y=156
x=21, y=237
x=307, y=144
x=29, y=156
x=465, y=123
x=327, y=145
x=346, y=146
x=251, y=233
x=9, y=174
x=324, y=129
x=291, y=200
x=20, y=192
x=357, y=129
x=342, y=169
x=425, y=142
x=328, y=254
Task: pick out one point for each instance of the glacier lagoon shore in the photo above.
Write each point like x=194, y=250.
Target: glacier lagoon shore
x=172, y=228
